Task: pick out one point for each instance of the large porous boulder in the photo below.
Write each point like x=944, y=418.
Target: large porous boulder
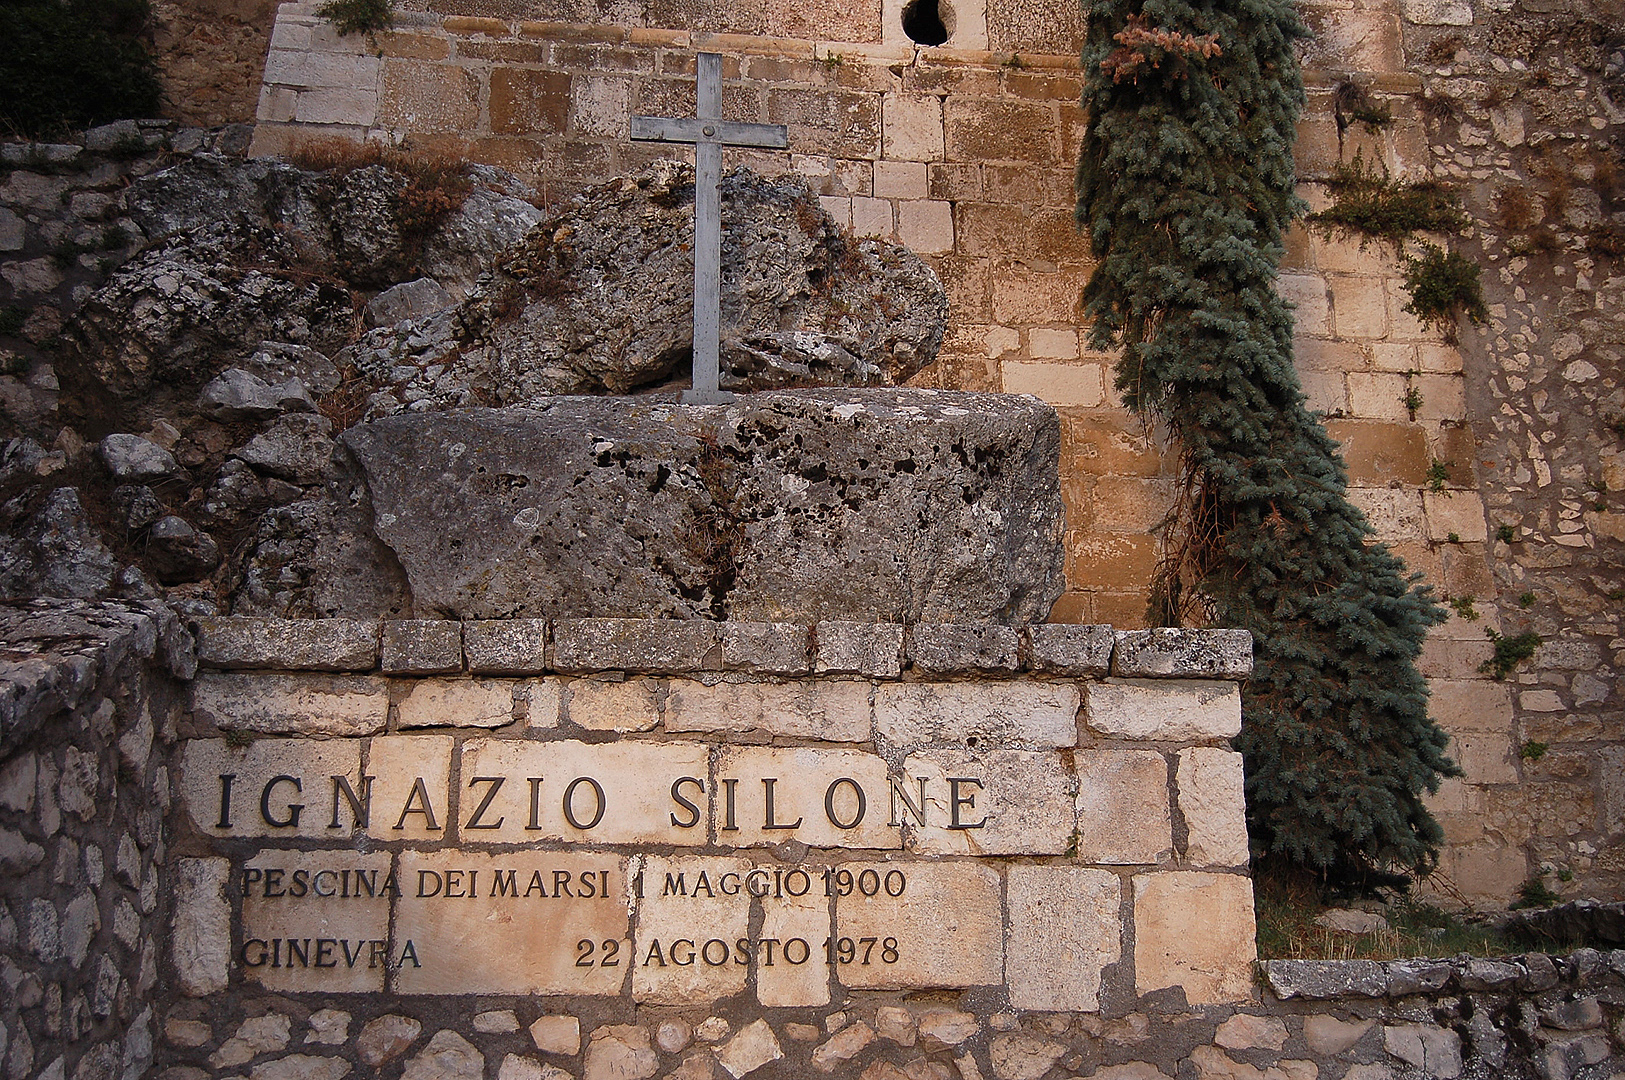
x=905, y=505
x=49, y=548
x=600, y=297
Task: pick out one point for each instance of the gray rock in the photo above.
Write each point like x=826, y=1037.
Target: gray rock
x=1173, y=652
x=385, y=1039
x=318, y=558
x=947, y=648
x=1417, y=976
x=1539, y=972
x=1581, y=1014
x=492, y=219
x=281, y=362
x=895, y=505
x=301, y=1067
x=177, y=552
x=297, y=448
x=599, y=297
x=1593, y=921
x=114, y=136
x=408, y=300
x=236, y=395
x=137, y=506
x=1061, y=649
x=448, y=1056
x=1488, y=974
x=47, y=548
x=179, y=313
x=1349, y=921
x=1322, y=979
x=134, y=460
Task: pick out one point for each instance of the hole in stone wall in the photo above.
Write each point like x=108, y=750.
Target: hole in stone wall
x=928, y=22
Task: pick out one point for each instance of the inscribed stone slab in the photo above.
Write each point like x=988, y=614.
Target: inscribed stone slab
x=411, y=797
x=1123, y=814
x=257, y=788
x=316, y=921
x=826, y=798
x=617, y=793
x=517, y=922
x=831, y=711
x=693, y=914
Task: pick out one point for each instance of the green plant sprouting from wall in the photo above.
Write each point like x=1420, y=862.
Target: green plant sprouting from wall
x=359, y=16
x=1443, y=284
x=1185, y=187
x=1509, y=652
x=1372, y=206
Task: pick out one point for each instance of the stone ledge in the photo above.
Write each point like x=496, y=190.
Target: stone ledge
x=1328, y=980
x=676, y=646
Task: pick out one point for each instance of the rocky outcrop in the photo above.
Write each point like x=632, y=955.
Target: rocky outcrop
x=599, y=297
x=820, y=504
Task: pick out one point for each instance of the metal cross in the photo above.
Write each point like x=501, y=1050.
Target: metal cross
x=709, y=133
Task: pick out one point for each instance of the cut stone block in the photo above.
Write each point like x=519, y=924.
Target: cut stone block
x=1164, y=710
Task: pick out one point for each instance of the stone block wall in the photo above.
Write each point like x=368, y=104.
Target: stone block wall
x=1037, y=813
x=87, y=708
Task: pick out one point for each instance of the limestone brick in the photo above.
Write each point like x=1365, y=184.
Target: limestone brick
x=1311, y=302
x=1122, y=802
x=1378, y=395
x=556, y=1034
x=687, y=905
x=421, y=646
x=795, y=977
x=1455, y=512
x=524, y=101
x=635, y=645
x=354, y=107
x=428, y=98
x=913, y=127
x=200, y=942
x=1016, y=712
x=1444, y=397
x=948, y=924
x=1006, y=802
x=1110, y=560
x=1163, y=709
x=1058, y=384
x=636, y=778
x=1194, y=930
x=1459, y=705
x=1382, y=452
x=872, y=217
x=1000, y=130
x=614, y=704
x=834, y=711
x=853, y=648
x=839, y=122
x=411, y=795
x=1064, y=930
x=1110, y=443
x=600, y=106
x=287, y=644
x=506, y=646
x=446, y=894
x=1178, y=652
x=926, y=225
x=1058, y=649
x=284, y=704
x=766, y=648
x=482, y=703
x=947, y=648
x=1213, y=805
x=1395, y=513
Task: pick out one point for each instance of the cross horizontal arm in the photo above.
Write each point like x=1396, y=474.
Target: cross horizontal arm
x=689, y=129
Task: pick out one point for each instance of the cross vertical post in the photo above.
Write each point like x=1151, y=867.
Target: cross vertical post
x=708, y=235
x=709, y=133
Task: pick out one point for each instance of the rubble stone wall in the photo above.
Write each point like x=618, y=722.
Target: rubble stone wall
x=88, y=697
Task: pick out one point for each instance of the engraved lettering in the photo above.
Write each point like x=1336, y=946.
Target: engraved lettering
x=956, y=800
x=767, y=812
x=496, y=783
x=294, y=809
x=899, y=790
x=360, y=805
x=417, y=802
x=829, y=803
x=569, y=804
x=677, y=797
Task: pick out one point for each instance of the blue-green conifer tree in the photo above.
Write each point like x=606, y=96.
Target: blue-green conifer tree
x=1185, y=186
